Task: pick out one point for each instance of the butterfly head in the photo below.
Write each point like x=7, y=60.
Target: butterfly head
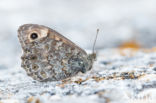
x=31, y=32
x=91, y=59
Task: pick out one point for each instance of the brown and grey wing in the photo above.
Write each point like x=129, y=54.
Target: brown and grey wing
x=57, y=36
x=67, y=60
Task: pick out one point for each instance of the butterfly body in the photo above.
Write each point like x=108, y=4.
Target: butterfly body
x=49, y=56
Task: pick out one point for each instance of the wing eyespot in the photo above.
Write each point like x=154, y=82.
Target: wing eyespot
x=33, y=36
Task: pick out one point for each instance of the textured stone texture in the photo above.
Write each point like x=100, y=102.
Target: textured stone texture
x=118, y=76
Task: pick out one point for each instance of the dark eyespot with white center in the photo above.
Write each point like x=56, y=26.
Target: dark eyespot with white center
x=34, y=36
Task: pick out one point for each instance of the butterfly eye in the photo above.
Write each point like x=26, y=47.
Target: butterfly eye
x=34, y=36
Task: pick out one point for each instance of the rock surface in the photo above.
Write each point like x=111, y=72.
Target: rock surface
x=118, y=76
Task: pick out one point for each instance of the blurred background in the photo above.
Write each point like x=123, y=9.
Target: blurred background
x=119, y=21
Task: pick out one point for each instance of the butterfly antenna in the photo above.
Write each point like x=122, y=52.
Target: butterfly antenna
x=97, y=32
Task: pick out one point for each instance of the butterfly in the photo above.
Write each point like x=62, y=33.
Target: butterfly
x=49, y=56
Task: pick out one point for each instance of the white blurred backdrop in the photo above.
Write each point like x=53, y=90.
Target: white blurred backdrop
x=118, y=21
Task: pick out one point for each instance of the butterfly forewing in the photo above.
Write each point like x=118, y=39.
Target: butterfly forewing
x=51, y=56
